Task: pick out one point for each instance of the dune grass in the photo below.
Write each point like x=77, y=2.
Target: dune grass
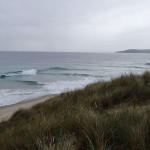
x=112, y=115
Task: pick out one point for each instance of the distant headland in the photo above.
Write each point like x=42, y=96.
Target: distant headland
x=135, y=51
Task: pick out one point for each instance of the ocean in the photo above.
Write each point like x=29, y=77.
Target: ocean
x=25, y=75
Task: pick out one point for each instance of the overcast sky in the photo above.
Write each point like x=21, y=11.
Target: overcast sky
x=74, y=25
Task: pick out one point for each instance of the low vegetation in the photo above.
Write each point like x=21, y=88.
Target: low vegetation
x=107, y=115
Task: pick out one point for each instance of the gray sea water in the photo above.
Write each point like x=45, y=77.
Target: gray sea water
x=25, y=75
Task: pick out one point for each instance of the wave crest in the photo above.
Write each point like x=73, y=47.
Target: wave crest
x=29, y=72
x=19, y=73
x=30, y=82
x=61, y=68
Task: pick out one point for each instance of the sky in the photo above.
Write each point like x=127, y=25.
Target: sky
x=74, y=25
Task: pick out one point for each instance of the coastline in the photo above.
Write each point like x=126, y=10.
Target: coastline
x=7, y=111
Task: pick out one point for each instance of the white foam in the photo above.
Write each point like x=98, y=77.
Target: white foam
x=11, y=74
x=63, y=86
x=9, y=96
x=29, y=72
x=21, y=73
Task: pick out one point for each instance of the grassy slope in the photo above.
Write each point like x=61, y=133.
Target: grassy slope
x=103, y=116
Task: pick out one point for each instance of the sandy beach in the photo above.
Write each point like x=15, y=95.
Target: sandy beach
x=7, y=111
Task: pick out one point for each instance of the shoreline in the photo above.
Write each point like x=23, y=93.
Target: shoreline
x=7, y=111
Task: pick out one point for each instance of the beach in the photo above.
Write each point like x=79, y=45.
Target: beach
x=7, y=111
x=27, y=75
x=117, y=111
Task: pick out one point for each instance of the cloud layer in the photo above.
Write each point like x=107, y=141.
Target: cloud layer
x=74, y=25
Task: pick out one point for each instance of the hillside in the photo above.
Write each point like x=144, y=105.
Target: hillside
x=112, y=115
x=135, y=51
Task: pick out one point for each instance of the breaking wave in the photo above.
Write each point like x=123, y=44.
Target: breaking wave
x=19, y=73
x=34, y=72
x=29, y=72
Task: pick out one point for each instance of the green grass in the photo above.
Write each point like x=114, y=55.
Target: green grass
x=112, y=115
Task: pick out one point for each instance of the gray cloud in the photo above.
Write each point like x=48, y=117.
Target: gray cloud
x=74, y=25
